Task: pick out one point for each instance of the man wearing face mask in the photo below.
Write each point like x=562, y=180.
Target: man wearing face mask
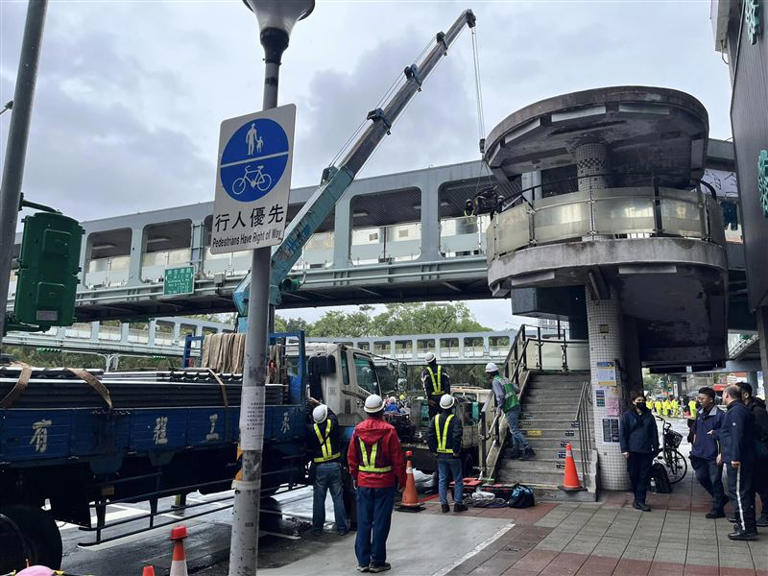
x=704, y=451
x=639, y=440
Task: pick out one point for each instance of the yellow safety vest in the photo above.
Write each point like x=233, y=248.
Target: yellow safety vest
x=437, y=386
x=325, y=444
x=442, y=439
x=369, y=464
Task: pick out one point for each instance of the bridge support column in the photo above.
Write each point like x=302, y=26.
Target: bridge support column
x=95, y=331
x=151, y=330
x=138, y=247
x=176, y=331
x=430, y=224
x=342, y=235
x=125, y=328
x=606, y=358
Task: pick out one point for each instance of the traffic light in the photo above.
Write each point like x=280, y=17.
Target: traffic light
x=48, y=265
x=290, y=285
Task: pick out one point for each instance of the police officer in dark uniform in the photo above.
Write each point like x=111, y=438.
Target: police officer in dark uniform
x=738, y=457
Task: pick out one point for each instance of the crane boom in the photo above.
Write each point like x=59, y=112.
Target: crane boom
x=336, y=180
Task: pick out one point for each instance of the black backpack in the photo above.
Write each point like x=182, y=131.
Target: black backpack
x=660, y=479
x=522, y=497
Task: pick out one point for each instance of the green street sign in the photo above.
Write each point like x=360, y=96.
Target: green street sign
x=179, y=281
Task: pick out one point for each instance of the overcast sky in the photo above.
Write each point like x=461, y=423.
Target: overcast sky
x=130, y=95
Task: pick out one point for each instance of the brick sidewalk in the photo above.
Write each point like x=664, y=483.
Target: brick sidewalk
x=611, y=537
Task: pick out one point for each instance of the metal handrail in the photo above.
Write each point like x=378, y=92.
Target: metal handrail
x=520, y=197
x=585, y=437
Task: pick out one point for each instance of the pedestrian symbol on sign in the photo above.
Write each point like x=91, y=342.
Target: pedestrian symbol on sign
x=254, y=159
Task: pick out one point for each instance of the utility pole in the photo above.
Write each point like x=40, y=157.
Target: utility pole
x=276, y=19
x=16, y=149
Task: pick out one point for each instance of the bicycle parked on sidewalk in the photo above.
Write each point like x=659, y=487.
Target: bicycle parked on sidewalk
x=675, y=463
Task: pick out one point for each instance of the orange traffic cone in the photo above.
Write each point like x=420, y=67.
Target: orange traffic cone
x=179, y=561
x=410, y=501
x=148, y=571
x=571, y=481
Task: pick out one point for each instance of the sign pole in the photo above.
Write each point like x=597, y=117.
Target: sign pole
x=243, y=560
x=15, y=154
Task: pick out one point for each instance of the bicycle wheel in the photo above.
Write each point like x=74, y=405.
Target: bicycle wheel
x=264, y=182
x=238, y=186
x=676, y=465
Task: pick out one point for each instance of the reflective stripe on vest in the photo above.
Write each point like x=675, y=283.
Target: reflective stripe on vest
x=325, y=444
x=442, y=440
x=369, y=464
x=437, y=386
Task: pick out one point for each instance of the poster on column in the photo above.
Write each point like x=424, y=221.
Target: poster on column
x=606, y=374
x=611, y=401
x=610, y=431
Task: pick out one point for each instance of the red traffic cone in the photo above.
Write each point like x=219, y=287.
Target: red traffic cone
x=148, y=571
x=179, y=560
x=571, y=481
x=410, y=501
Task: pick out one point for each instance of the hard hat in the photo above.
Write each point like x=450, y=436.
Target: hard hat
x=491, y=367
x=447, y=401
x=429, y=357
x=392, y=399
x=374, y=404
x=320, y=413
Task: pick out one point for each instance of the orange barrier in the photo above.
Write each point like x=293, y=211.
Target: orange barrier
x=179, y=560
x=410, y=501
x=571, y=481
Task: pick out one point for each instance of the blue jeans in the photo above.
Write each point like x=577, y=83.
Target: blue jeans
x=513, y=418
x=450, y=465
x=328, y=477
x=374, y=517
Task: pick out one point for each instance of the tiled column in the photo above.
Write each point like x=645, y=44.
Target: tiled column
x=605, y=345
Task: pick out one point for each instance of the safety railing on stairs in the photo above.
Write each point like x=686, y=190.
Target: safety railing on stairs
x=584, y=418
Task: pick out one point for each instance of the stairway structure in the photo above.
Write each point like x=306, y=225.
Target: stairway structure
x=550, y=420
x=555, y=393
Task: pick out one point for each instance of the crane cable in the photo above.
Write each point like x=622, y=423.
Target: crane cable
x=480, y=112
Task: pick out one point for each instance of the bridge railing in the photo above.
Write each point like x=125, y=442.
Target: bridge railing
x=638, y=211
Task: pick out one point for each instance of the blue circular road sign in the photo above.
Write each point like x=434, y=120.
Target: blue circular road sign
x=254, y=160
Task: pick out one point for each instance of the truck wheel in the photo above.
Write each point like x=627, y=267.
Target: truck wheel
x=39, y=534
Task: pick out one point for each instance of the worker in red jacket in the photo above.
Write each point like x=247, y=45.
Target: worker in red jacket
x=376, y=464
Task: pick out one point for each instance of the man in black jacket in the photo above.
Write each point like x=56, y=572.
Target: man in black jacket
x=738, y=456
x=444, y=440
x=639, y=440
x=760, y=475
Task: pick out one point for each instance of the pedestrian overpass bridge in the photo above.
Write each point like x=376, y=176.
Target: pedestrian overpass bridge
x=166, y=337
x=393, y=238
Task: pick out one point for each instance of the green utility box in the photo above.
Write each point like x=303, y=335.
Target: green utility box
x=48, y=267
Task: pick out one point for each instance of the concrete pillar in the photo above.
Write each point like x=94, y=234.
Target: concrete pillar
x=176, y=331
x=95, y=331
x=124, y=331
x=591, y=167
x=197, y=246
x=606, y=345
x=138, y=247
x=342, y=235
x=430, y=223
x=152, y=329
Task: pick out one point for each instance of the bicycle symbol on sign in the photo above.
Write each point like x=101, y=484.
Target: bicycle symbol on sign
x=256, y=178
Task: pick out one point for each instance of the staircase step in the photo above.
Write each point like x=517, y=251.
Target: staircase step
x=550, y=478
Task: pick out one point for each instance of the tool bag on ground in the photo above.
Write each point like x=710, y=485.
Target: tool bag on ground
x=522, y=497
x=660, y=479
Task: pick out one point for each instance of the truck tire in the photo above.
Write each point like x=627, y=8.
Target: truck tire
x=40, y=537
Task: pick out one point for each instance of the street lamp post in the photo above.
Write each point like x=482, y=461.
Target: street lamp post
x=276, y=19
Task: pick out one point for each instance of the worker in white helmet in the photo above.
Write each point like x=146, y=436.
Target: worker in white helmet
x=444, y=437
x=376, y=464
x=435, y=382
x=508, y=403
x=325, y=447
